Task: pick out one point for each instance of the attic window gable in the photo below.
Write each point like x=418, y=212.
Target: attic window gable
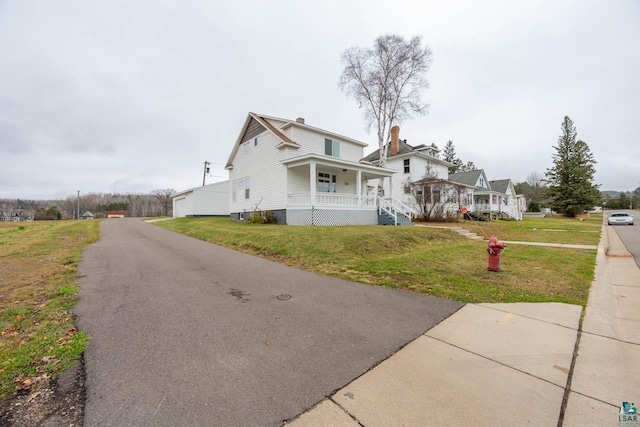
x=254, y=129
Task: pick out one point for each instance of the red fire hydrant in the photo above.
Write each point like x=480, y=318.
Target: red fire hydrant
x=495, y=249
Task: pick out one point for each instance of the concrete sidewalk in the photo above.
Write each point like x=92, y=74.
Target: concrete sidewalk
x=605, y=373
x=486, y=365
x=509, y=364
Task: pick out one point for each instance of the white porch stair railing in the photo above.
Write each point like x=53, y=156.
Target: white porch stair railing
x=393, y=207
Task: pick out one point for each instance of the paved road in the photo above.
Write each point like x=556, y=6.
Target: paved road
x=188, y=333
x=630, y=235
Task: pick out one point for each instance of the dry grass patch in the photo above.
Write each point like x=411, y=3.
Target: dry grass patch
x=38, y=262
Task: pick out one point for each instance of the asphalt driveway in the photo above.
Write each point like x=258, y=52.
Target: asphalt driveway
x=184, y=332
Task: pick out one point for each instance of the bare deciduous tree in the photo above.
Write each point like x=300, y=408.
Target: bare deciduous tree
x=164, y=199
x=387, y=82
x=434, y=196
x=536, y=183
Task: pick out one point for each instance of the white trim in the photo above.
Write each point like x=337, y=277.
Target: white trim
x=333, y=161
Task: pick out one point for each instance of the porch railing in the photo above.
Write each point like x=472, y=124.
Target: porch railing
x=506, y=209
x=403, y=209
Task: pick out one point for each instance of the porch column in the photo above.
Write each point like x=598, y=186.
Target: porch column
x=312, y=183
x=359, y=187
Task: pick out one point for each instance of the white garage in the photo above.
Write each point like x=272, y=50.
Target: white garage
x=208, y=200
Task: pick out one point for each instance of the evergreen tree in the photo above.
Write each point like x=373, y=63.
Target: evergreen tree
x=635, y=197
x=467, y=167
x=449, y=155
x=570, y=179
x=449, y=152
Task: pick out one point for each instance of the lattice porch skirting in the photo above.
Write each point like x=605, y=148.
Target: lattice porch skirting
x=331, y=217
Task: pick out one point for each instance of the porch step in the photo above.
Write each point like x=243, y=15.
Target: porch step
x=386, y=219
x=466, y=233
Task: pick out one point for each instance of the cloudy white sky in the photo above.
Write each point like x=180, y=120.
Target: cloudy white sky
x=132, y=96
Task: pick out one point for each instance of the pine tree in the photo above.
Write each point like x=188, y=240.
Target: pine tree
x=449, y=152
x=570, y=180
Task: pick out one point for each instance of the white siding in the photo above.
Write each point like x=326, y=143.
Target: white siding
x=298, y=180
x=266, y=174
x=212, y=199
x=313, y=143
x=417, y=171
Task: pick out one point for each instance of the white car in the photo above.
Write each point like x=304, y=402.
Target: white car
x=620, y=218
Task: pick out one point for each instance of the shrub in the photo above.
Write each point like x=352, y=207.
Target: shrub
x=534, y=207
x=261, y=217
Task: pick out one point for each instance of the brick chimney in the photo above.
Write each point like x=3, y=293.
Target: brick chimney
x=300, y=120
x=395, y=141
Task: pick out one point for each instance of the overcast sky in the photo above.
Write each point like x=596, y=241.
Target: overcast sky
x=132, y=96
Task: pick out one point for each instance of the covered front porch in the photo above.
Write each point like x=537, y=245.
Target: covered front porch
x=492, y=203
x=322, y=190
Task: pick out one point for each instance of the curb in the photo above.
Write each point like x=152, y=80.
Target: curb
x=620, y=251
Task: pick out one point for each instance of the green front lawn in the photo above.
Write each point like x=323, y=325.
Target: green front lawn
x=557, y=229
x=430, y=261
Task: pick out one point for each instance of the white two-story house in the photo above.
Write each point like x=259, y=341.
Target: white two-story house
x=412, y=163
x=303, y=174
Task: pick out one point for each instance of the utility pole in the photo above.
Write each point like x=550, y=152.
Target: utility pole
x=78, y=217
x=206, y=171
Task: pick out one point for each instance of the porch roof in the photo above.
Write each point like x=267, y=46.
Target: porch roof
x=372, y=172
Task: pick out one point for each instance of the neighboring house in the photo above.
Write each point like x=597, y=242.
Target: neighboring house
x=303, y=174
x=412, y=164
x=521, y=203
x=490, y=197
x=87, y=215
x=14, y=216
x=207, y=200
x=115, y=214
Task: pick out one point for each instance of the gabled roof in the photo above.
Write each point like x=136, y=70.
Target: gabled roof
x=500, y=185
x=265, y=122
x=467, y=178
x=200, y=187
x=404, y=149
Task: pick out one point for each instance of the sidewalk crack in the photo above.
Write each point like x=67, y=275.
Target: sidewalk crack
x=612, y=338
x=527, y=317
x=567, y=389
x=495, y=361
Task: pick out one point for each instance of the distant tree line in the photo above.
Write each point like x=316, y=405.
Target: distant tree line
x=624, y=200
x=157, y=203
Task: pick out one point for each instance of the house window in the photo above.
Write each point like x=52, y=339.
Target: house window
x=247, y=147
x=327, y=183
x=407, y=189
x=240, y=187
x=406, y=166
x=255, y=141
x=481, y=182
x=432, y=195
x=331, y=148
